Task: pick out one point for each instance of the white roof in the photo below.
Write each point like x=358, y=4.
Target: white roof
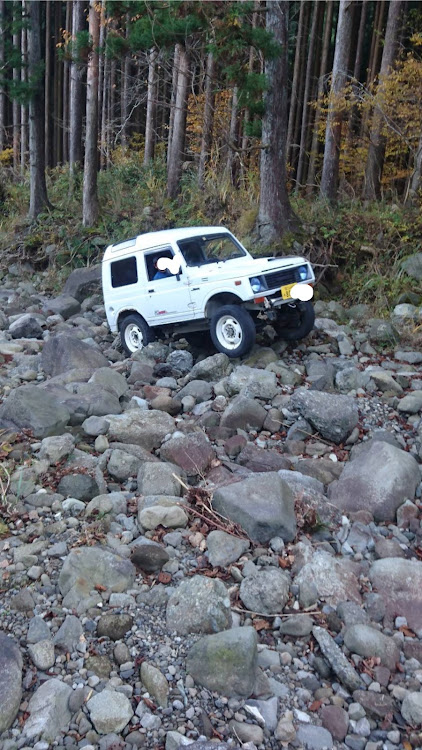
x=158, y=239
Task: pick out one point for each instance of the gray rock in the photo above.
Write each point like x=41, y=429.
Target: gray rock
x=262, y=504
x=266, y=591
x=192, y=453
x=64, y=305
x=42, y=654
x=26, y=327
x=63, y=353
x=337, y=660
x=225, y=662
x=111, y=504
x=399, y=583
x=413, y=266
x=81, y=486
x=148, y=555
x=199, y=605
x=224, y=548
x=170, y=516
x=38, y=630
x=382, y=332
x=56, y=448
x=111, y=380
x=334, y=578
x=95, y=426
x=297, y=625
x=48, y=711
x=366, y=641
x=83, y=282
x=158, y=479
x=11, y=680
x=181, y=362
x=333, y=416
x=413, y=358
x=244, y=413
x=252, y=382
x=113, y=626
x=268, y=711
x=145, y=428
x=299, y=482
x=199, y=390
x=155, y=683
x=212, y=368
x=69, y=634
x=320, y=374
x=411, y=403
x=23, y=601
x=379, y=479
x=314, y=738
x=32, y=408
x=411, y=709
x=86, y=567
x=352, y=614
x=109, y=711
x=205, y=745
x=122, y=465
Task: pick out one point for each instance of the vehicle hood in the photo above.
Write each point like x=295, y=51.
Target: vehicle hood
x=239, y=267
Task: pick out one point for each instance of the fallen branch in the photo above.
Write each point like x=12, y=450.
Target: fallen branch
x=310, y=613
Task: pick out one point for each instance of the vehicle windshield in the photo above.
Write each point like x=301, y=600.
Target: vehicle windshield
x=198, y=251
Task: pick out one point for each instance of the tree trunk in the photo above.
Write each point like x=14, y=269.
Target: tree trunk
x=231, y=169
x=415, y=180
x=376, y=154
x=296, y=75
x=306, y=96
x=207, y=127
x=47, y=83
x=359, y=45
x=57, y=89
x=125, y=91
x=24, y=110
x=174, y=167
x=330, y=167
x=375, y=44
x=65, y=143
x=16, y=9
x=38, y=190
x=247, y=115
x=322, y=73
x=275, y=214
x=104, y=104
x=90, y=195
x=2, y=92
x=111, y=108
x=151, y=106
x=76, y=92
x=176, y=63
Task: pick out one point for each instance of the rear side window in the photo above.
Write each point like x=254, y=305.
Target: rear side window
x=124, y=272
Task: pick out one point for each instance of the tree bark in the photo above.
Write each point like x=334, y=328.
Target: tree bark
x=16, y=9
x=177, y=145
x=207, y=127
x=24, y=110
x=57, y=89
x=175, y=73
x=296, y=74
x=321, y=80
x=104, y=99
x=65, y=115
x=306, y=96
x=90, y=195
x=330, y=167
x=76, y=92
x=38, y=190
x=275, y=214
x=232, y=137
x=47, y=83
x=125, y=91
x=376, y=154
x=151, y=106
x=415, y=180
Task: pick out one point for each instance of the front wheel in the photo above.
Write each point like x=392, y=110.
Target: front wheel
x=232, y=330
x=134, y=333
x=296, y=321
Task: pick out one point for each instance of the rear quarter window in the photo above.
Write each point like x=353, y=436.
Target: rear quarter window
x=124, y=272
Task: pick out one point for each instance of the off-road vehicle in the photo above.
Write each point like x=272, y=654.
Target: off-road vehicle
x=211, y=283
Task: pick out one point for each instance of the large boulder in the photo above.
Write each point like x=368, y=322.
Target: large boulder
x=193, y=453
x=26, y=327
x=334, y=579
x=109, y=711
x=145, y=428
x=252, y=382
x=334, y=416
x=413, y=266
x=87, y=567
x=212, y=368
x=263, y=504
x=399, y=583
x=366, y=641
x=30, y=407
x=225, y=662
x=199, y=605
x=379, y=480
x=11, y=680
x=266, y=591
x=244, y=413
x=83, y=282
x=63, y=353
x=64, y=305
x=158, y=478
x=48, y=711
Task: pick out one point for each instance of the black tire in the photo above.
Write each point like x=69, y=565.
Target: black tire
x=296, y=322
x=235, y=319
x=131, y=328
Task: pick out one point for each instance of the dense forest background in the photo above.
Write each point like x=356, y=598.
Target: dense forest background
x=286, y=121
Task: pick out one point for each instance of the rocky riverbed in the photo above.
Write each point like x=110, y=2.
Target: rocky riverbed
x=205, y=552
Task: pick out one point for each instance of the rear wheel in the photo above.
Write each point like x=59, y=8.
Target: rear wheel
x=232, y=330
x=134, y=333
x=296, y=321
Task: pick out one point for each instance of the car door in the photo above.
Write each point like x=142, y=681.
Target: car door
x=167, y=298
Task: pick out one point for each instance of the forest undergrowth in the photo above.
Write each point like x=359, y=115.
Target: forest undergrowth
x=357, y=247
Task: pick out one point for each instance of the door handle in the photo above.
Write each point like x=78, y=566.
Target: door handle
x=195, y=289
x=150, y=291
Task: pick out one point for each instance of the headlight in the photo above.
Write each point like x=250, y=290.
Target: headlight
x=303, y=273
x=256, y=285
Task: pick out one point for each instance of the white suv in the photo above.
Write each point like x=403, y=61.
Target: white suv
x=213, y=284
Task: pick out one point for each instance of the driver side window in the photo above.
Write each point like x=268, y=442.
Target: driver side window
x=153, y=272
